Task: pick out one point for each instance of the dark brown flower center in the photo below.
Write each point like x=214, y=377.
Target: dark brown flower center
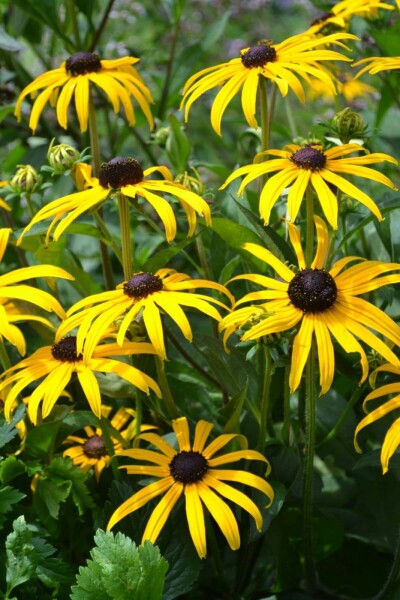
x=95, y=447
x=65, y=350
x=322, y=18
x=309, y=158
x=82, y=62
x=312, y=290
x=142, y=285
x=120, y=171
x=258, y=56
x=188, y=466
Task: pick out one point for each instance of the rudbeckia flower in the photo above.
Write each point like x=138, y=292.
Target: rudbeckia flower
x=124, y=175
x=347, y=86
x=90, y=452
x=300, y=167
x=11, y=294
x=341, y=13
x=59, y=362
x=143, y=296
x=192, y=471
x=377, y=64
x=392, y=437
x=116, y=78
x=282, y=63
x=323, y=303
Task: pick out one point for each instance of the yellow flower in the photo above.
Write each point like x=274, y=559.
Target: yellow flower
x=347, y=86
x=299, y=167
x=123, y=175
x=392, y=437
x=377, y=64
x=143, y=296
x=11, y=294
x=91, y=452
x=282, y=63
x=192, y=471
x=341, y=13
x=116, y=78
x=59, y=362
x=324, y=304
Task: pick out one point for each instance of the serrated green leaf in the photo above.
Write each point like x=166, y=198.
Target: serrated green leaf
x=8, y=431
x=120, y=570
x=8, y=497
x=10, y=468
x=63, y=470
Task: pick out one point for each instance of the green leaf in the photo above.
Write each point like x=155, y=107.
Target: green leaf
x=233, y=410
x=178, y=146
x=8, y=43
x=8, y=497
x=40, y=440
x=10, y=468
x=44, y=11
x=8, y=431
x=163, y=257
x=30, y=557
x=235, y=236
x=120, y=570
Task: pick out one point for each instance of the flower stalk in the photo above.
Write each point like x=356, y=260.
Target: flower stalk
x=124, y=220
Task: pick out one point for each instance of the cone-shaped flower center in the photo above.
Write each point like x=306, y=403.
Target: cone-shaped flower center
x=312, y=290
x=120, y=171
x=83, y=62
x=322, y=18
x=309, y=158
x=188, y=466
x=258, y=56
x=142, y=285
x=65, y=350
x=95, y=447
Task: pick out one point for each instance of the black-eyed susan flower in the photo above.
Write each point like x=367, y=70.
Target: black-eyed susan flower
x=392, y=437
x=283, y=64
x=58, y=363
x=376, y=64
x=11, y=295
x=91, y=452
x=126, y=176
x=322, y=303
x=144, y=296
x=347, y=86
x=341, y=13
x=118, y=79
x=300, y=167
x=192, y=471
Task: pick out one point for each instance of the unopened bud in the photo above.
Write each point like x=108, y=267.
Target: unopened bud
x=348, y=125
x=193, y=182
x=62, y=157
x=26, y=180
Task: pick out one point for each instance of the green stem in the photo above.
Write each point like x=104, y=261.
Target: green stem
x=31, y=208
x=125, y=224
x=74, y=21
x=4, y=358
x=358, y=393
x=101, y=26
x=286, y=408
x=165, y=389
x=266, y=371
x=309, y=226
x=102, y=227
x=310, y=421
x=109, y=446
x=265, y=123
x=167, y=80
x=95, y=148
x=290, y=120
x=387, y=592
x=139, y=414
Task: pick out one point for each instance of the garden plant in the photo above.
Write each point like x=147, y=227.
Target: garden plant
x=199, y=309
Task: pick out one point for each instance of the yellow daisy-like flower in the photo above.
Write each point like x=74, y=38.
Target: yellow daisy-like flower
x=91, y=452
x=11, y=295
x=282, y=63
x=59, y=362
x=116, y=78
x=347, y=86
x=377, y=64
x=392, y=437
x=300, y=167
x=124, y=175
x=192, y=471
x=341, y=13
x=324, y=304
x=143, y=296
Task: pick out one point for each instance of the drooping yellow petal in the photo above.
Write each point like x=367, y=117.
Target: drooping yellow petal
x=91, y=389
x=161, y=513
x=245, y=478
x=222, y=514
x=390, y=444
x=195, y=519
x=301, y=350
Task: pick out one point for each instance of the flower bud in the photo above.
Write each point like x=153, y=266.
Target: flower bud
x=26, y=180
x=62, y=157
x=193, y=183
x=348, y=125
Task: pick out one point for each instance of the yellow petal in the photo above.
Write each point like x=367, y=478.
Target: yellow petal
x=195, y=519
